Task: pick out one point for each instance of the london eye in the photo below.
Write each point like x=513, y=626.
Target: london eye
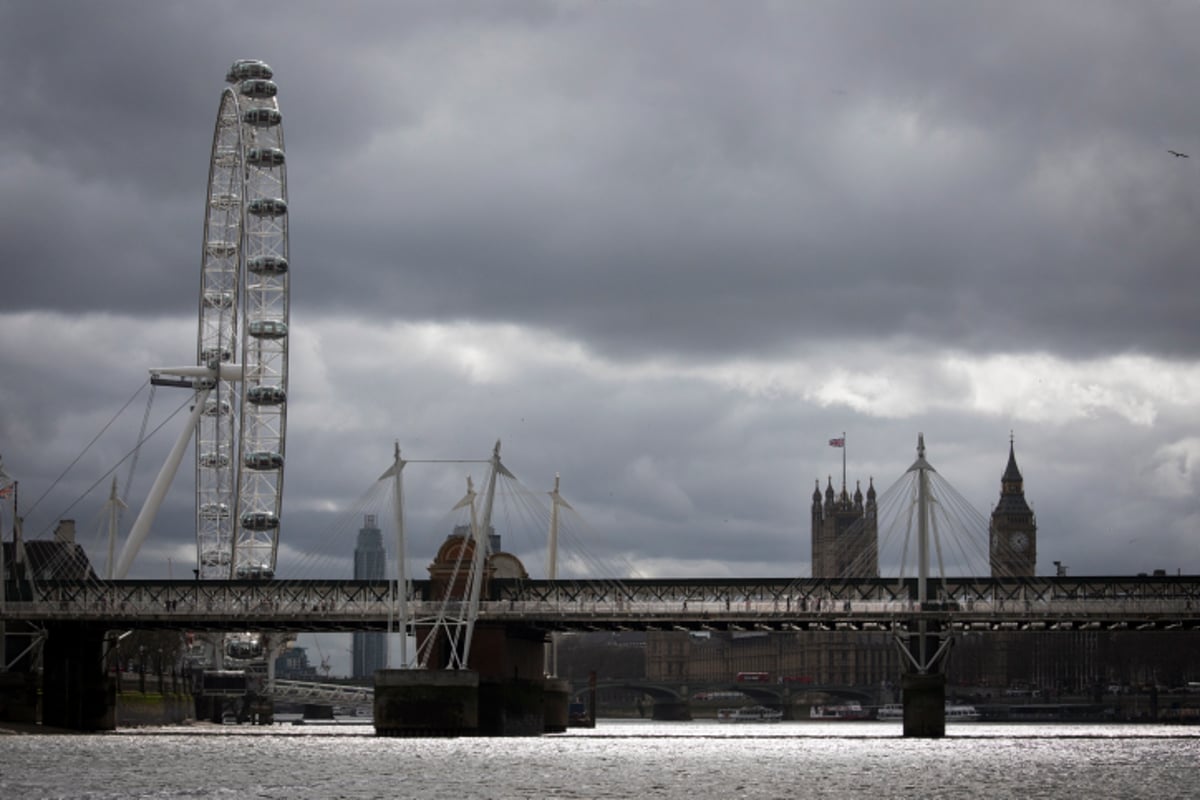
x=243, y=333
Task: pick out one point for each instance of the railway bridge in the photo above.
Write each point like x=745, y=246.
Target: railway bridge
x=73, y=616
x=1141, y=602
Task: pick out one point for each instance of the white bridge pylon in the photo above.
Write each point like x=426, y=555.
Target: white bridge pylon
x=923, y=657
x=454, y=621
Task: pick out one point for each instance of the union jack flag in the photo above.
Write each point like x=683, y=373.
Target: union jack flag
x=838, y=442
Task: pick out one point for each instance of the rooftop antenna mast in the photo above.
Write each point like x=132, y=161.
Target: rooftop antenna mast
x=843, y=462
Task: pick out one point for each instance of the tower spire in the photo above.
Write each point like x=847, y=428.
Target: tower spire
x=1013, y=528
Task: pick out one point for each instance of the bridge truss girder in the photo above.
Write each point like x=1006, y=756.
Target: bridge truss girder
x=976, y=604
x=323, y=693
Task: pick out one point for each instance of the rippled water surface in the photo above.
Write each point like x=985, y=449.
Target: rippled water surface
x=615, y=760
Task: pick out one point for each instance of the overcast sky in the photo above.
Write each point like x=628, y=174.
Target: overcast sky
x=666, y=249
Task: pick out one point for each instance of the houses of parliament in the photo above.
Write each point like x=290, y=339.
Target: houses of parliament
x=845, y=544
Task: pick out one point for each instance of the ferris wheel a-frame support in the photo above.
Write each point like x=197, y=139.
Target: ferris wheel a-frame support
x=239, y=415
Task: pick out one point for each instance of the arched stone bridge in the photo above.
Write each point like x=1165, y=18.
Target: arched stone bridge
x=672, y=699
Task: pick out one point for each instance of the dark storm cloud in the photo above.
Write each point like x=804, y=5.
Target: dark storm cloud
x=740, y=229
x=675, y=178
x=721, y=198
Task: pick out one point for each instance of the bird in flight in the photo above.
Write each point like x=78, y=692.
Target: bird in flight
x=1178, y=154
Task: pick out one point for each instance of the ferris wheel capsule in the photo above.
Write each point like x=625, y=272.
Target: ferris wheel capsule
x=214, y=460
x=214, y=407
x=245, y=68
x=263, y=460
x=262, y=117
x=220, y=248
x=260, y=520
x=267, y=206
x=214, y=558
x=225, y=200
x=258, y=89
x=265, y=157
x=267, y=328
x=214, y=511
x=218, y=299
x=267, y=265
x=266, y=395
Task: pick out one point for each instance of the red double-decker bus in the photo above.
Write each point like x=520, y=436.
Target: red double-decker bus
x=753, y=677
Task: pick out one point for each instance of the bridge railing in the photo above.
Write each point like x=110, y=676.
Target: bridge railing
x=350, y=605
x=848, y=609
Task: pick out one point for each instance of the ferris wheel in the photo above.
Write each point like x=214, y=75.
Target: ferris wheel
x=243, y=333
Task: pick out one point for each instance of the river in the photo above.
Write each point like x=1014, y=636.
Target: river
x=617, y=759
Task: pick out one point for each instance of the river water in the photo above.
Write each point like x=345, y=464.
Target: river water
x=617, y=759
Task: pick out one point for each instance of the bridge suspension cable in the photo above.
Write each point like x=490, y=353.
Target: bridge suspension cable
x=958, y=534
x=82, y=453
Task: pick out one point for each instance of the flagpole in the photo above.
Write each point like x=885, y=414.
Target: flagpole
x=843, y=461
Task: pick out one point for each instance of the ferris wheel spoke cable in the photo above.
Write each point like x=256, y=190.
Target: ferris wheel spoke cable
x=83, y=452
x=122, y=460
x=129, y=454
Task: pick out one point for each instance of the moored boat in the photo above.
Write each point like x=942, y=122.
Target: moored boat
x=843, y=712
x=954, y=713
x=890, y=712
x=749, y=714
x=961, y=713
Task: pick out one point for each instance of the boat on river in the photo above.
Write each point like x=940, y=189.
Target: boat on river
x=954, y=713
x=749, y=714
x=841, y=712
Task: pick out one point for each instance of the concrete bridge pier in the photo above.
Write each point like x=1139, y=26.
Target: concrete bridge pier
x=512, y=706
x=924, y=705
x=18, y=697
x=510, y=661
x=503, y=693
x=923, y=686
x=556, y=705
x=419, y=702
x=77, y=694
x=676, y=710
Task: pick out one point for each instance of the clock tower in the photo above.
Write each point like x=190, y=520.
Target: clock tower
x=1013, y=533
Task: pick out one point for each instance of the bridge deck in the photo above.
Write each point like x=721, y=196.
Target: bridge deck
x=1144, y=602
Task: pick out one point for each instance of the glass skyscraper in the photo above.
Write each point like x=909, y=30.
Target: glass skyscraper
x=370, y=563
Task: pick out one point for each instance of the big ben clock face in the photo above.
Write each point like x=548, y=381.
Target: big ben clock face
x=1019, y=542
